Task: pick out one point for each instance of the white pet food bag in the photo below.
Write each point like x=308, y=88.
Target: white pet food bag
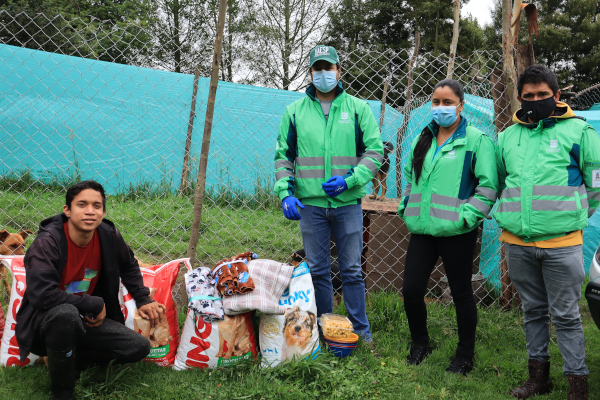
x=9, y=349
x=294, y=334
x=218, y=344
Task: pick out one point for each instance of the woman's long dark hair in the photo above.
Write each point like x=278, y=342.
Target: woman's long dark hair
x=424, y=142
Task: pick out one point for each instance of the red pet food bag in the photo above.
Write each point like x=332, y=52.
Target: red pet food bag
x=9, y=349
x=164, y=338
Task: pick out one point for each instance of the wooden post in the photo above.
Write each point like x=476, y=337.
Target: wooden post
x=185, y=173
x=525, y=57
x=508, y=67
x=383, y=100
x=210, y=108
x=406, y=112
x=502, y=112
x=455, y=33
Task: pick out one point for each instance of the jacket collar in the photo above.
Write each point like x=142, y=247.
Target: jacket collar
x=561, y=112
x=312, y=91
x=460, y=132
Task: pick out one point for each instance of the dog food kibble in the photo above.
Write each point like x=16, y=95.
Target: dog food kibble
x=336, y=326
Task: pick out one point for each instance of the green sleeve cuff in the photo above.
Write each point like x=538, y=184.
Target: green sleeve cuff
x=350, y=181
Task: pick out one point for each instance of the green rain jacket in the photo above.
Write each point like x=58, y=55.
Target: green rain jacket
x=456, y=189
x=310, y=150
x=549, y=174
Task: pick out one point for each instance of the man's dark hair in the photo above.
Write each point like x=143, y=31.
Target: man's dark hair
x=538, y=73
x=81, y=186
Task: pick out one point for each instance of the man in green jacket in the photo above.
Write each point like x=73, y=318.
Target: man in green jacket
x=329, y=147
x=549, y=175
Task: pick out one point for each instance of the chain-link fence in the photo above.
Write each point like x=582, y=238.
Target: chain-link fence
x=102, y=101
x=586, y=99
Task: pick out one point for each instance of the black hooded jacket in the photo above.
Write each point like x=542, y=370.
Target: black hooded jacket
x=44, y=263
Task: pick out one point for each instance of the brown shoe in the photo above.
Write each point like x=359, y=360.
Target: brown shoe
x=539, y=381
x=578, y=387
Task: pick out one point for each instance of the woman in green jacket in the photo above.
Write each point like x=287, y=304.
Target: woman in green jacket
x=452, y=185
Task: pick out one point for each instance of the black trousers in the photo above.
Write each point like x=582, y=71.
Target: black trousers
x=457, y=255
x=61, y=329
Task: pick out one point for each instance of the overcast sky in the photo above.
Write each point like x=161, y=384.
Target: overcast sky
x=480, y=9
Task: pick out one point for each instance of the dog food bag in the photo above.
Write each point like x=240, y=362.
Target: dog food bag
x=217, y=344
x=9, y=349
x=336, y=326
x=164, y=338
x=294, y=334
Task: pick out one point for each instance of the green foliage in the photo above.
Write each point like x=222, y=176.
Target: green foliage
x=156, y=223
x=569, y=40
x=114, y=30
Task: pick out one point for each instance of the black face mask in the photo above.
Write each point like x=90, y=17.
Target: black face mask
x=539, y=109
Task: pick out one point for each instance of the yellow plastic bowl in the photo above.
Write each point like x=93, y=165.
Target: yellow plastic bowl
x=352, y=339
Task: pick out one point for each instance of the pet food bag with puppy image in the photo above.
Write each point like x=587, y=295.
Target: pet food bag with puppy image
x=9, y=349
x=164, y=337
x=216, y=344
x=294, y=334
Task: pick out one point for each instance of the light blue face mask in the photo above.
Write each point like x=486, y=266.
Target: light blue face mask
x=324, y=81
x=444, y=115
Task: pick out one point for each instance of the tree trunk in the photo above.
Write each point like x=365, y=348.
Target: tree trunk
x=210, y=109
x=176, y=39
x=437, y=25
x=185, y=173
x=286, y=48
x=407, y=109
x=230, y=53
x=508, y=67
x=525, y=57
x=502, y=114
x=455, y=33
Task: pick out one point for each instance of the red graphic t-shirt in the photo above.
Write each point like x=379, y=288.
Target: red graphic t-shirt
x=82, y=269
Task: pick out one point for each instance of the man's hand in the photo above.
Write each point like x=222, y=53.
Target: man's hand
x=96, y=321
x=152, y=312
x=335, y=186
x=290, y=210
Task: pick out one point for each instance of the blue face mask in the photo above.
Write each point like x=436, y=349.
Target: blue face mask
x=324, y=81
x=444, y=115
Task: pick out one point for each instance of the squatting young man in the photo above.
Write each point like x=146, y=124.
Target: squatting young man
x=70, y=311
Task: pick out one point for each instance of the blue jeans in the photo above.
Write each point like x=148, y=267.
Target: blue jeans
x=317, y=224
x=549, y=280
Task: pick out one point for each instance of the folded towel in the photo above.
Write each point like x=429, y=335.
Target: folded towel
x=202, y=294
x=233, y=276
x=271, y=278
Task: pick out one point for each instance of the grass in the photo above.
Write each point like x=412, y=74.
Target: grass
x=500, y=365
x=157, y=224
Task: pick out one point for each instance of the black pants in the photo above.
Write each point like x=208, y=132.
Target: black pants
x=457, y=255
x=61, y=329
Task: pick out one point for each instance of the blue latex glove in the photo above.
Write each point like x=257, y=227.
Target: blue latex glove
x=335, y=186
x=290, y=210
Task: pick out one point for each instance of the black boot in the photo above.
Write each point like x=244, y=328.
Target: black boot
x=63, y=374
